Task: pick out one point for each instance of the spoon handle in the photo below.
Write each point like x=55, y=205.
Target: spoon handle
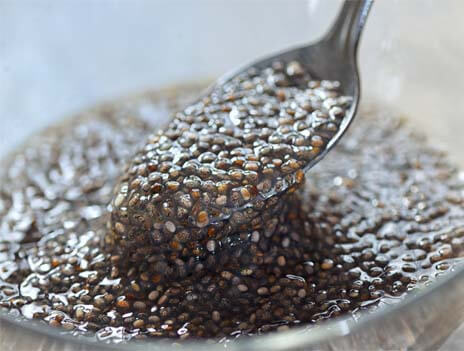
x=346, y=30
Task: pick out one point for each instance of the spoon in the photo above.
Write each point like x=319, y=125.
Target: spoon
x=333, y=57
x=224, y=166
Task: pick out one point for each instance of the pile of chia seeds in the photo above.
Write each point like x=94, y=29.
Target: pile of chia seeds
x=383, y=214
x=221, y=165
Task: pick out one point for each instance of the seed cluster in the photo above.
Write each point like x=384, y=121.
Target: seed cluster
x=377, y=220
x=221, y=163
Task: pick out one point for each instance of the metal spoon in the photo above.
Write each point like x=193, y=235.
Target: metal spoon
x=333, y=57
x=172, y=204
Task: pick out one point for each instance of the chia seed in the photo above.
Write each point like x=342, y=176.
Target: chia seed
x=222, y=139
x=334, y=246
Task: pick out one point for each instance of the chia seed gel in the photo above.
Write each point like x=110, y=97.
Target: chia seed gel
x=382, y=215
x=221, y=165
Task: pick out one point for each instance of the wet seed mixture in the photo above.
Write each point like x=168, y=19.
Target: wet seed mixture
x=220, y=164
x=381, y=215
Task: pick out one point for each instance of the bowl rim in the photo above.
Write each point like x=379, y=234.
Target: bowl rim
x=295, y=337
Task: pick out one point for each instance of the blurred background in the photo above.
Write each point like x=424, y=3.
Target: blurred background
x=58, y=57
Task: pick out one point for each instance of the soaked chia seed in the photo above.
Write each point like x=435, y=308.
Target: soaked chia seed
x=221, y=165
x=382, y=215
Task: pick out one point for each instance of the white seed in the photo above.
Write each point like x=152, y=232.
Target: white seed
x=242, y=287
x=170, y=227
x=119, y=200
x=221, y=200
x=255, y=236
x=211, y=245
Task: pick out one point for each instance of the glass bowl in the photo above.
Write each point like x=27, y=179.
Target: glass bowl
x=60, y=57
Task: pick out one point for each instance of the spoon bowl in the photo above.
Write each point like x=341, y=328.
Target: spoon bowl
x=333, y=57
